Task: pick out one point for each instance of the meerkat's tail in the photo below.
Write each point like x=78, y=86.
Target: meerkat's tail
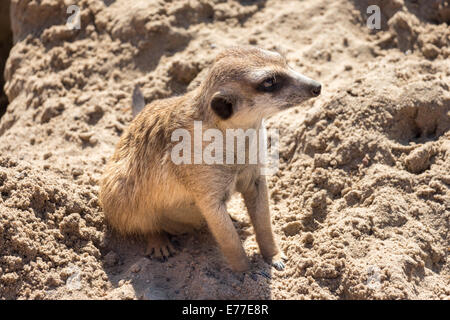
x=138, y=102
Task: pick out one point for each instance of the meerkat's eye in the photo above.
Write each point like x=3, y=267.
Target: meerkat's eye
x=270, y=84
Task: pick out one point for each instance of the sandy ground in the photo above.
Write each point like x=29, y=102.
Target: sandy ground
x=361, y=203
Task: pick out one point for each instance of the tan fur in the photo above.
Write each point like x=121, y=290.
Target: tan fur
x=144, y=192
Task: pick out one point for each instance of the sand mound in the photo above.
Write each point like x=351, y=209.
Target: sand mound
x=362, y=199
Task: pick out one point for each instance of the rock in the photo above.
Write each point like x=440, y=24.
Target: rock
x=111, y=259
x=430, y=51
x=419, y=159
x=77, y=172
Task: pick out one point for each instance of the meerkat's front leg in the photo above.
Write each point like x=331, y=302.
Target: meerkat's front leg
x=222, y=228
x=257, y=203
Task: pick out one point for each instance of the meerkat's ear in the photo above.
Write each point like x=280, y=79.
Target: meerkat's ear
x=223, y=104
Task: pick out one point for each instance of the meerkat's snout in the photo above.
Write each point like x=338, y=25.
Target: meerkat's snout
x=316, y=89
x=313, y=87
x=307, y=86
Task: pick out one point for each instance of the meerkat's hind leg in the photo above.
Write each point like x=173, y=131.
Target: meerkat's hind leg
x=159, y=246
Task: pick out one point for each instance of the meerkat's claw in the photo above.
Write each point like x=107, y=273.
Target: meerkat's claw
x=159, y=246
x=265, y=274
x=279, y=265
x=277, y=261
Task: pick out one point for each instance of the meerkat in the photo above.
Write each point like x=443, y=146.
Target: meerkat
x=143, y=192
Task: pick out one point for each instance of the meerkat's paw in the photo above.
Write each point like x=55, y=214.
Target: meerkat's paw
x=159, y=246
x=277, y=261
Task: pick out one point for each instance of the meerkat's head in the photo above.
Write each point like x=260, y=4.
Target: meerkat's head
x=245, y=85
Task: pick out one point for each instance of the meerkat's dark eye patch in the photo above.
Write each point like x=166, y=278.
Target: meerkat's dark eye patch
x=222, y=106
x=271, y=84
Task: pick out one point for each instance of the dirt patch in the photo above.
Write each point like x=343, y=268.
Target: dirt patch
x=361, y=200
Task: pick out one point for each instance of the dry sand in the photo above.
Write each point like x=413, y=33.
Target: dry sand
x=361, y=203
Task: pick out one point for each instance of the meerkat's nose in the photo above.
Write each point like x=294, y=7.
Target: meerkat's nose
x=316, y=88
